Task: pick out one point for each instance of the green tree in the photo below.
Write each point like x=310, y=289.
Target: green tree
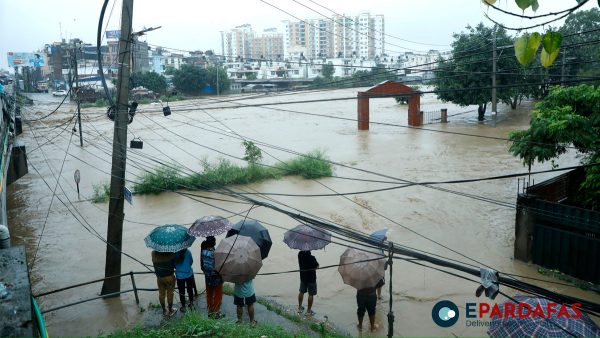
x=327, y=71
x=251, y=76
x=468, y=69
x=578, y=57
x=568, y=116
x=151, y=80
x=252, y=152
x=223, y=79
x=190, y=79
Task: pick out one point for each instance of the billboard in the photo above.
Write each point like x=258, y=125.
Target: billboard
x=25, y=59
x=113, y=34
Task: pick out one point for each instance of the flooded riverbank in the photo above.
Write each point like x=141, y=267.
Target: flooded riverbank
x=69, y=251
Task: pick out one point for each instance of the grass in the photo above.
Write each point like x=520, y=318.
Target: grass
x=318, y=327
x=101, y=192
x=224, y=173
x=196, y=325
x=584, y=285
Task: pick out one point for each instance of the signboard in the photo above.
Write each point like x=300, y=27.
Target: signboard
x=113, y=34
x=77, y=176
x=128, y=196
x=25, y=59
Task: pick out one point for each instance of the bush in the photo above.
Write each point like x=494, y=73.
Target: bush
x=224, y=173
x=101, y=192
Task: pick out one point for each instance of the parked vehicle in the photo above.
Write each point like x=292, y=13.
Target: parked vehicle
x=60, y=92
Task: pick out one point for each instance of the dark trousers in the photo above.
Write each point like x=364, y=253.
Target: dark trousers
x=182, y=285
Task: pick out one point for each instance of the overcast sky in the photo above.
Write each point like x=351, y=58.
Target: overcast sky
x=26, y=25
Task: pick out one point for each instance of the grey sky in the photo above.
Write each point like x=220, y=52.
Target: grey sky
x=26, y=25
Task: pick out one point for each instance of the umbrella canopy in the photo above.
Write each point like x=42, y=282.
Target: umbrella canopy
x=169, y=238
x=359, y=274
x=240, y=263
x=304, y=237
x=209, y=226
x=256, y=231
x=538, y=326
x=380, y=234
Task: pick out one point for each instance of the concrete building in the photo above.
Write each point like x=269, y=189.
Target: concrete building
x=268, y=46
x=173, y=60
x=141, y=59
x=237, y=42
x=336, y=37
x=158, y=61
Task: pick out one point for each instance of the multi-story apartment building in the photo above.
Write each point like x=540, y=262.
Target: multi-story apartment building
x=141, y=58
x=237, y=42
x=268, y=46
x=340, y=36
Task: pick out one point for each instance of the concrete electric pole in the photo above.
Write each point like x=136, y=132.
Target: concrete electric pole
x=494, y=61
x=77, y=91
x=112, y=286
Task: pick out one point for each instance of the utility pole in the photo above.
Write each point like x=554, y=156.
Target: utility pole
x=494, y=61
x=117, y=183
x=77, y=91
x=218, y=64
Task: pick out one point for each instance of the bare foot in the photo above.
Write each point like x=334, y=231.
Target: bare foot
x=253, y=323
x=359, y=327
x=375, y=327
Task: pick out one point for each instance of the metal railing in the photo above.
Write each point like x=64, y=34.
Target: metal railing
x=134, y=289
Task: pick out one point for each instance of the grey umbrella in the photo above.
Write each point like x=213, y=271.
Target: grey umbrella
x=237, y=259
x=304, y=237
x=361, y=269
x=256, y=231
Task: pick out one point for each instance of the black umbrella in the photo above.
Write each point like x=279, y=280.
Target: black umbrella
x=256, y=231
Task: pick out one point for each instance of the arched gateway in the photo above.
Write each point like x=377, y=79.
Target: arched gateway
x=389, y=88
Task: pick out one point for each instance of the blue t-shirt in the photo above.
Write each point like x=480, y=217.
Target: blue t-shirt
x=183, y=267
x=244, y=290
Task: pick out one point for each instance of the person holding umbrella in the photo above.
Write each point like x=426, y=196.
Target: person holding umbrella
x=306, y=238
x=308, y=280
x=165, y=240
x=214, y=282
x=164, y=268
x=185, y=276
x=363, y=269
x=366, y=301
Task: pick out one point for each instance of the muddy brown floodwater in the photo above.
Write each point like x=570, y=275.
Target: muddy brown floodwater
x=483, y=232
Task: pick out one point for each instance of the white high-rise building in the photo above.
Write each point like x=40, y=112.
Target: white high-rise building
x=361, y=36
x=237, y=42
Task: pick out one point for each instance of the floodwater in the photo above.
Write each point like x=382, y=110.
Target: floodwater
x=69, y=253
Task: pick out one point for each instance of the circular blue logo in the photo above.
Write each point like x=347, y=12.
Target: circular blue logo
x=445, y=313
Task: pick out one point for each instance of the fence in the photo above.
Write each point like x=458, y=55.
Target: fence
x=556, y=235
x=134, y=289
x=439, y=115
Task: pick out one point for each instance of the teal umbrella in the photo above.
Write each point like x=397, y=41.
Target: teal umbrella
x=169, y=238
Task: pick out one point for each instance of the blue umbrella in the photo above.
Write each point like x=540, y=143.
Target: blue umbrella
x=553, y=326
x=169, y=238
x=380, y=234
